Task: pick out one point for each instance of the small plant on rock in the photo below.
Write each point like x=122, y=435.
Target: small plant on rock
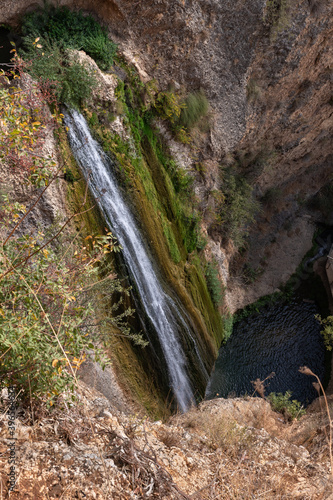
x=291, y=409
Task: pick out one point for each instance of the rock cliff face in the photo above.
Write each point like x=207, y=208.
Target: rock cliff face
x=206, y=44
x=266, y=68
x=224, y=449
x=290, y=120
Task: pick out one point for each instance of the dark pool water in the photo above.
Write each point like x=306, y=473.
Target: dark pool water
x=5, y=48
x=279, y=339
x=6, y=37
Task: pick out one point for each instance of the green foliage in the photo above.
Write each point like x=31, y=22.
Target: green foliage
x=253, y=91
x=50, y=313
x=182, y=180
x=228, y=323
x=213, y=283
x=251, y=274
x=181, y=114
x=73, y=30
x=48, y=63
x=276, y=16
x=170, y=238
x=182, y=135
x=291, y=409
x=22, y=132
x=195, y=108
x=42, y=315
x=237, y=208
x=327, y=331
x=169, y=106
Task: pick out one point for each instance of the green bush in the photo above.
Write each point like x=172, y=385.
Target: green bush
x=213, y=283
x=281, y=403
x=73, y=30
x=195, y=107
x=237, y=208
x=48, y=63
x=169, y=106
x=327, y=331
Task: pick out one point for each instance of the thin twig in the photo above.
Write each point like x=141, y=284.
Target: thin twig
x=46, y=243
x=31, y=208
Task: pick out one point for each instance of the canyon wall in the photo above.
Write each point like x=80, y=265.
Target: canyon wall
x=266, y=68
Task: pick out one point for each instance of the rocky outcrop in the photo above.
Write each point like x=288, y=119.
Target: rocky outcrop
x=223, y=449
x=199, y=44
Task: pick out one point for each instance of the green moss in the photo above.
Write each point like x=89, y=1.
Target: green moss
x=126, y=358
x=169, y=236
x=197, y=285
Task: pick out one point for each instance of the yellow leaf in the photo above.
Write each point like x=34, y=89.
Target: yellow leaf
x=54, y=363
x=37, y=39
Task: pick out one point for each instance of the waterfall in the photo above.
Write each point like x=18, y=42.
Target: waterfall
x=161, y=309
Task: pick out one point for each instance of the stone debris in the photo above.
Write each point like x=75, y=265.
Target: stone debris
x=233, y=448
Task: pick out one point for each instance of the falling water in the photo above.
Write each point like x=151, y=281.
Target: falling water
x=160, y=308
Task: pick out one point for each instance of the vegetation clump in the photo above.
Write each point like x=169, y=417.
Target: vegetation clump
x=291, y=409
x=48, y=63
x=327, y=331
x=72, y=30
x=182, y=113
x=49, y=37
x=49, y=285
x=213, y=284
x=196, y=106
x=237, y=208
x=22, y=132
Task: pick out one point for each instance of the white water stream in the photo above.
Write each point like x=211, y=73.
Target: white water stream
x=160, y=308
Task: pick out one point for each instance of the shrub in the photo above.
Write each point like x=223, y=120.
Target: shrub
x=169, y=106
x=327, y=331
x=43, y=313
x=213, y=283
x=195, y=107
x=237, y=208
x=281, y=403
x=22, y=132
x=48, y=63
x=73, y=30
